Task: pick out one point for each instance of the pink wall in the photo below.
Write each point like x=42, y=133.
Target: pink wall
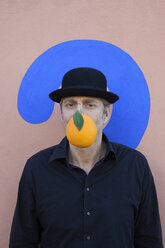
x=28, y=28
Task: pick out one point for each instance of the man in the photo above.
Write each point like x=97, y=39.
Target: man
x=99, y=196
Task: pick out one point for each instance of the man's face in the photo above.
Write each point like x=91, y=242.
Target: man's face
x=94, y=107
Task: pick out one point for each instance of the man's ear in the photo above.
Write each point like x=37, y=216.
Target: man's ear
x=107, y=114
x=61, y=115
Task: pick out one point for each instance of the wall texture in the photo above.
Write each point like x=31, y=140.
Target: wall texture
x=27, y=29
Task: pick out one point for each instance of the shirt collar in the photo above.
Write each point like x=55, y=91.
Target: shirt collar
x=110, y=153
x=61, y=150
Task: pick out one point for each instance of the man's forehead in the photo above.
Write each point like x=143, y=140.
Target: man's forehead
x=82, y=98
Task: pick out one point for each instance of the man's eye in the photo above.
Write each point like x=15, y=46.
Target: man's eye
x=87, y=105
x=90, y=105
x=69, y=105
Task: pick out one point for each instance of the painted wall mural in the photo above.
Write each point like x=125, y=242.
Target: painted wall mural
x=124, y=77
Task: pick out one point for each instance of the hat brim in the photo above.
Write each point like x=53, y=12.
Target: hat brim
x=57, y=95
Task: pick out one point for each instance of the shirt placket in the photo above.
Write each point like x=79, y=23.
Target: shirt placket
x=87, y=215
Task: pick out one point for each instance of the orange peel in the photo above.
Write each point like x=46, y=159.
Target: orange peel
x=81, y=130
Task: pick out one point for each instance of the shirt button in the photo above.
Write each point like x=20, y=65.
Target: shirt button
x=88, y=213
x=87, y=189
x=88, y=237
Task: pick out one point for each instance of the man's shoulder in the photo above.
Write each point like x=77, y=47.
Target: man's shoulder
x=124, y=151
x=131, y=159
x=44, y=153
x=42, y=156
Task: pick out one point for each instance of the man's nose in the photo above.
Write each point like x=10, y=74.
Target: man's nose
x=80, y=107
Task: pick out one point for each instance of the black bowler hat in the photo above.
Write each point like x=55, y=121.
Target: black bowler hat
x=84, y=81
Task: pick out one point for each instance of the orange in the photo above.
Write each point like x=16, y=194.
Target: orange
x=81, y=130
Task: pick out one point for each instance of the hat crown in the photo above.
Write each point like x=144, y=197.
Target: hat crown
x=84, y=77
x=84, y=81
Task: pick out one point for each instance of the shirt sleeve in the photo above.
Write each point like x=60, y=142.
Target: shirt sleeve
x=25, y=229
x=147, y=223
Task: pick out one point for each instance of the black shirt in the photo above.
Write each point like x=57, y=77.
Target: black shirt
x=60, y=206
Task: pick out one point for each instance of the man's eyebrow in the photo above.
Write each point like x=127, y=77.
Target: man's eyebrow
x=91, y=100
x=85, y=100
x=69, y=100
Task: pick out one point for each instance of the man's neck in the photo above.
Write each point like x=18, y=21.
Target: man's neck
x=87, y=157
